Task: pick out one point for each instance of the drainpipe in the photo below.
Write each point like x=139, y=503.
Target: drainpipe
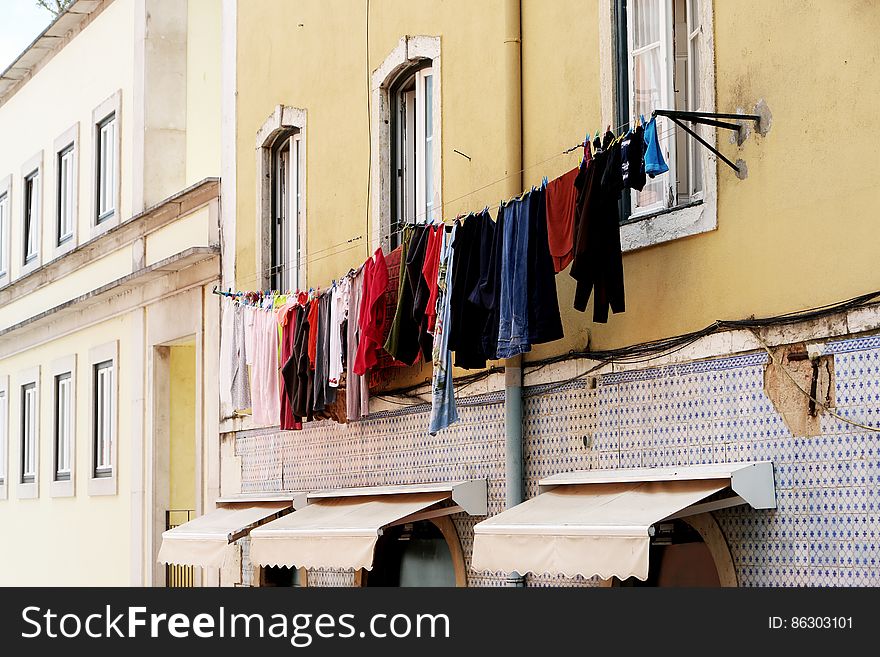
x=513, y=379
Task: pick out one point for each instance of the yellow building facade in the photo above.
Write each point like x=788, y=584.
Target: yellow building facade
x=510, y=89
x=110, y=128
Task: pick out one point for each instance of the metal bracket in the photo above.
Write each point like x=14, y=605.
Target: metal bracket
x=707, y=118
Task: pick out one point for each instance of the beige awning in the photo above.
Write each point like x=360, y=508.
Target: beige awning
x=339, y=529
x=205, y=541
x=599, y=522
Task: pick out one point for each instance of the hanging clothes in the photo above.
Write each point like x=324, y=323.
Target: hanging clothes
x=632, y=157
x=357, y=392
x=382, y=372
x=241, y=389
x=329, y=391
x=299, y=366
x=338, y=308
x=486, y=292
x=415, y=261
x=403, y=339
x=464, y=313
x=443, y=409
x=598, y=262
x=513, y=300
x=654, y=162
x=560, y=203
x=544, y=321
x=286, y=318
x=264, y=380
x=313, y=334
x=318, y=328
x=371, y=322
x=430, y=272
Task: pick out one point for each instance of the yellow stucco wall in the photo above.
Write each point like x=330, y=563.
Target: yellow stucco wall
x=49, y=534
x=798, y=232
x=61, y=94
x=183, y=427
x=202, y=90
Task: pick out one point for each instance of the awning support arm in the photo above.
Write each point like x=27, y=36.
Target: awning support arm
x=706, y=507
x=428, y=515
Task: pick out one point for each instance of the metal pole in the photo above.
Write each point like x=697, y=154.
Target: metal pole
x=513, y=452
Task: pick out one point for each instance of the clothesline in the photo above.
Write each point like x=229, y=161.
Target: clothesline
x=482, y=288
x=291, y=264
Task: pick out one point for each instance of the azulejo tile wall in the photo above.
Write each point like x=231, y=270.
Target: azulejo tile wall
x=825, y=531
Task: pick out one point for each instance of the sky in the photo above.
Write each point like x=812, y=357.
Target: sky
x=20, y=23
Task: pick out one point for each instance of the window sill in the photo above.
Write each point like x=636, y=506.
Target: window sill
x=102, y=486
x=64, y=247
x=30, y=491
x=103, y=224
x=666, y=225
x=62, y=488
x=30, y=265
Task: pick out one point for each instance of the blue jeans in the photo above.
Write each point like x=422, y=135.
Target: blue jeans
x=443, y=411
x=513, y=328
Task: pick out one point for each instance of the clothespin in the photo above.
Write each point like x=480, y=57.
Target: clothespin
x=544, y=181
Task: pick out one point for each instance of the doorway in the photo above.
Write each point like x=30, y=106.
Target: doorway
x=175, y=474
x=422, y=553
x=680, y=557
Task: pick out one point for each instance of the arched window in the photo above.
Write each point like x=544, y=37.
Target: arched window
x=406, y=141
x=281, y=202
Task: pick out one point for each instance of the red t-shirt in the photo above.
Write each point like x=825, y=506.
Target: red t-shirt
x=313, y=333
x=431, y=270
x=372, y=315
x=561, y=198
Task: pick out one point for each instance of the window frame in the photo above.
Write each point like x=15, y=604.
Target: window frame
x=111, y=108
x=103, y=478
x=31, y=174
x=105, y=177
x=68, y=141
x=28, y=486
x=415, y=155
x=59, y=486
x=288, y=231
x=5, y=225
x=700, y=215
x=4, y=437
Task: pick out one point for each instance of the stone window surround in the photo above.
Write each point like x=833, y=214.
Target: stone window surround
x=104, y=485
x=6, y=189
x=33, y=164
x=690, y=219
x=64, y=366
x=284, y=119
x=410, y=50
x=30, y=490
x=67, y=138
x=112, y=105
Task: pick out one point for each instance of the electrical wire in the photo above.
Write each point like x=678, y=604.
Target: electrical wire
x=291, y=264
x=797, y=385
x=651, y=350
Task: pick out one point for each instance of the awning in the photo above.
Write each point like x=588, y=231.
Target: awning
x=599, y=522
x=339, y=528
x=205, y=541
